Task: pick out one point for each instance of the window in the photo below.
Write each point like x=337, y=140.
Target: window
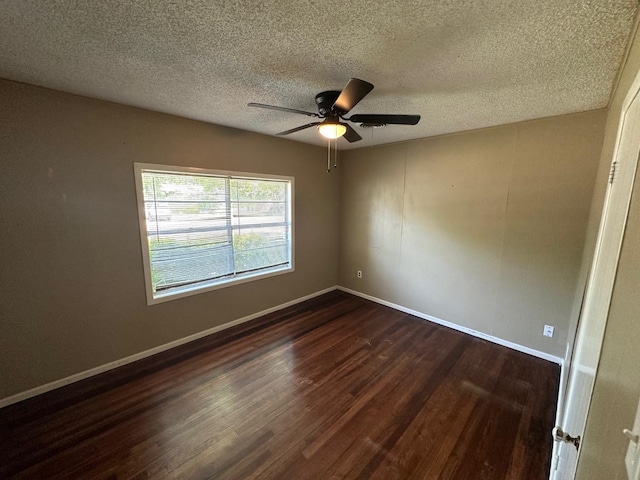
x=205, y=229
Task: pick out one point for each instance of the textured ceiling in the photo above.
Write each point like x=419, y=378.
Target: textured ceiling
x=461, y=65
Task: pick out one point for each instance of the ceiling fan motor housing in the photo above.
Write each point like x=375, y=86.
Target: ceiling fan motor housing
x=325, y=101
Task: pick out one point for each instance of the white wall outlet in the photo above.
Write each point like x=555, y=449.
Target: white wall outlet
x=548, y=331
x=359, y=273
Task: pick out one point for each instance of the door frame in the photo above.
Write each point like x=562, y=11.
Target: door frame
x=616, y=207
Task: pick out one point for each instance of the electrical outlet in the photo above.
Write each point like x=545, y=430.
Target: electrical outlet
x=548, y=331
x=359, y=273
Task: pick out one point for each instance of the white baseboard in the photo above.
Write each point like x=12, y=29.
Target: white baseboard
x=147, y=353
x=475, y=333
x=176, y=343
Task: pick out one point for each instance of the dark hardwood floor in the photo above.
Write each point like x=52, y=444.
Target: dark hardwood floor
x=336, y=387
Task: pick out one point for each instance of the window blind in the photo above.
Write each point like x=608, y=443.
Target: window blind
x=203, y=228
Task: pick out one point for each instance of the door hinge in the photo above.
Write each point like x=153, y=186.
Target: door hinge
x=612, y=172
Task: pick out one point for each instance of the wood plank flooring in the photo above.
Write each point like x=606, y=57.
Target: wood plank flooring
x=336, y=387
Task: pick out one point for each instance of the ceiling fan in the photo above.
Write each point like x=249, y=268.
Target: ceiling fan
x=333, y=105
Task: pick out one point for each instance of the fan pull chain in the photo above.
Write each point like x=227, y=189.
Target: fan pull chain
x=329, y=155
x=335, y=154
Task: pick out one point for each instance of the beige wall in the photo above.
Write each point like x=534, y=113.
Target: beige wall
x=617, y=386
x=71, y=282
x=484, y=229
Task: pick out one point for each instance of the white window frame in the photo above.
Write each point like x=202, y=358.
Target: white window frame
x=205, y=286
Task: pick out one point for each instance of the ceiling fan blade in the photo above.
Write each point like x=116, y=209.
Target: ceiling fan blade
x=386, y=119
x=351, y=135
x=297, y=129
x=283, y=109
x=355, y=91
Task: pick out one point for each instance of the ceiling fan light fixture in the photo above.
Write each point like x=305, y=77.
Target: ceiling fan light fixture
x=332, y=130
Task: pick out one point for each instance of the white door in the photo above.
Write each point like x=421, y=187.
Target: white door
x=593, y=318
